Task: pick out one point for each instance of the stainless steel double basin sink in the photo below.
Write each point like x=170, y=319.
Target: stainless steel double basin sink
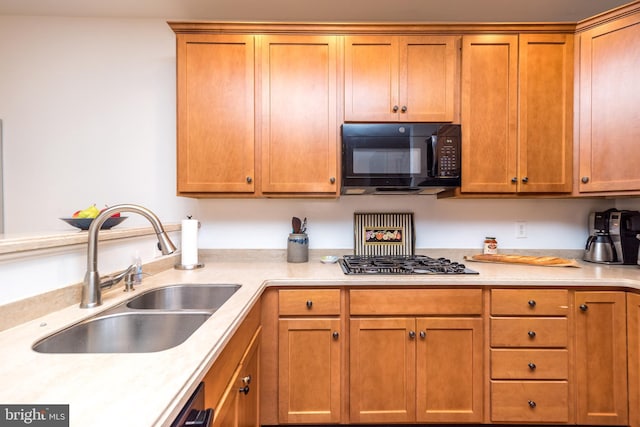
x=155, y=320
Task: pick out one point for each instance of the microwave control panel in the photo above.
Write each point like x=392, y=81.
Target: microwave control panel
x=448, y=155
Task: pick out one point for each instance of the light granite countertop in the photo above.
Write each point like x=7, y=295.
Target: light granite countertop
x=148, y=389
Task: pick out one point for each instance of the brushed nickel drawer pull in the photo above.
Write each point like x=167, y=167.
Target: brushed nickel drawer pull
x=532, y=404
x=532, y=366
x=532, y=303
x=532, y=334
x=309, y=304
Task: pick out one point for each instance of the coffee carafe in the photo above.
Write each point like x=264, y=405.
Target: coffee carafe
x=600, y=249
x=599, y=246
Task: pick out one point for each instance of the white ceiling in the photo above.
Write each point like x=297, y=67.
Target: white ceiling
x=319, y=10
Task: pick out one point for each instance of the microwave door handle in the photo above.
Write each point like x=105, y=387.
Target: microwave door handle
x=432, y=162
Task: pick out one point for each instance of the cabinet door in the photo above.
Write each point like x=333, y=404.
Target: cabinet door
x=215, y=98
x=371, y=78
x=382, y=370
x=309, y=377
x=489, y=113
x=449, y=371
x=633, y=332
x=428, y=72
x=546, y=120
x=299, y=114
x=248, y=386
x=609, y=92
x=601, y=358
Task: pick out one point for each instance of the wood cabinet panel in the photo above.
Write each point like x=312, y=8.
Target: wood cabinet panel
x=609, y=92
x=529, y=302
x=449, y=372
x=309, y=364
x=529, y=332
x=601, y=365
x=530, y=401
x=415, y=301
x=215, y=103
x=489, y=112
x=529, y=364
x=299, y=114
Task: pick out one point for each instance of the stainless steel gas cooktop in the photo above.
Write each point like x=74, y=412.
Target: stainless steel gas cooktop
x=398, y=264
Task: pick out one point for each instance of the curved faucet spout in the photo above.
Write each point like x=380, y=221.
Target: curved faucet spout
x=91, y=291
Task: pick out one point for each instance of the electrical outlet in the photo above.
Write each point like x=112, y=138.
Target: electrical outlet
x=521, y=230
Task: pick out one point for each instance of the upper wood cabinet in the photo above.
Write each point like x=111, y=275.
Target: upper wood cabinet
x=215, y=101
x=517, y=97
x=400, y=78
x=300, y=130
x=609, y=91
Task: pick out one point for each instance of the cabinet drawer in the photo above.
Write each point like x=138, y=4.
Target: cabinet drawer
x=529, y=364
x=529, y=302
x=415, y=301
x=529, y=332
x=530, y=401
x=309, y=302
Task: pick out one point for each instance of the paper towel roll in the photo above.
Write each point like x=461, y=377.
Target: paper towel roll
x=189, y=242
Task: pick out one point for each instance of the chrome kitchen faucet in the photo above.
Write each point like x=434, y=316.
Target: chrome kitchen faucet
x=92, y=288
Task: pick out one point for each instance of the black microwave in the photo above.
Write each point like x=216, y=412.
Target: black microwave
x=400, y=158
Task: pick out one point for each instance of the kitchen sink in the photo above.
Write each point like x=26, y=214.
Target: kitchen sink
x=126, y=332
x=155, y=320
x=208, y=297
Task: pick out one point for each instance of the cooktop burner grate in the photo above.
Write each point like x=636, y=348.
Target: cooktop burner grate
x=394, y=264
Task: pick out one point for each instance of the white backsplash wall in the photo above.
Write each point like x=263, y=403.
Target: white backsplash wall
x=444, y=223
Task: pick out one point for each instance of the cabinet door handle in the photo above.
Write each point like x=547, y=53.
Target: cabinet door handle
x=532, y=366
x=412, y=334
x=514, y=179
x=335, y=335
x=532, y=303
x=532, y=404
x=585, y=179
x=423, y=334
x=584, y=307
x=332, y=180
x=246, y=380
x=244, y=389
x=249, y=180
x=395, y=108
x=404, y=109
x=532, y=334
x=309, y=304
x=525, y=179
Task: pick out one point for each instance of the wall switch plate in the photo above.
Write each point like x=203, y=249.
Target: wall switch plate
x=521, y=230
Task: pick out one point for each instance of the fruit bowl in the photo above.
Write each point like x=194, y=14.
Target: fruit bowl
x=84, y=223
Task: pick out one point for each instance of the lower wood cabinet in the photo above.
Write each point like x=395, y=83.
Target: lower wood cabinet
x=418, y=368
x=601, y=358
x=232, y=385
x=310, y=348
x=530, y=356
x=633, y=343
x=392, y=355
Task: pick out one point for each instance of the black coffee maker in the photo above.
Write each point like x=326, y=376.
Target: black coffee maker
x=612, y=238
